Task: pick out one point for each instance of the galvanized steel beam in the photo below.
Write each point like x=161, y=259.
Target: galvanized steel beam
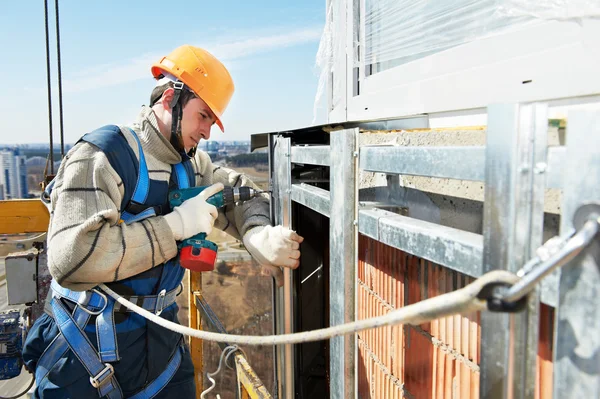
x=311, y=155
x=312, y=197
x=466, y=163
x=513, y=216
x=456, y=249
x=284, y=296
x=343, y=260
x=577, y=341
x=463, y=163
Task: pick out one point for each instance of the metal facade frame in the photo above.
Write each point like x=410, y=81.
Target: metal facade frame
x=284, y=296
x=577, y=339
x=343, y=241
x=516, y=166
x=513, y=228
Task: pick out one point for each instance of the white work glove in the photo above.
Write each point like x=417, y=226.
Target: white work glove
x=272, y=247
x=194, y=215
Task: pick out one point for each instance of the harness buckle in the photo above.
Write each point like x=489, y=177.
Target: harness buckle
x=160, y=302
x=103, y=376
x=82, y=305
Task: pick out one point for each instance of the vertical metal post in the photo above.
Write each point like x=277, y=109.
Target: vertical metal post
x=513, y=227
x=577, y=341
x=342, y=263
x=284, y=296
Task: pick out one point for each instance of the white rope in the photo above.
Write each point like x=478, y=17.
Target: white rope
x=463, y=300
x=228, y=351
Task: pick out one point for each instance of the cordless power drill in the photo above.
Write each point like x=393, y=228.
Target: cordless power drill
x=197, y=253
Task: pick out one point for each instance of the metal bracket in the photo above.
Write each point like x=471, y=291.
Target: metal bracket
x=493, y=294
x=586, y=212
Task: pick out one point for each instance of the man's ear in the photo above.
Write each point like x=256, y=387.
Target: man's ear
x=167, y=97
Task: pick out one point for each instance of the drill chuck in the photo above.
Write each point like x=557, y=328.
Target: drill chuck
x=232, y=195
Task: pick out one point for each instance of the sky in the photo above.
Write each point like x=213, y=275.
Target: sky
x=108, y=47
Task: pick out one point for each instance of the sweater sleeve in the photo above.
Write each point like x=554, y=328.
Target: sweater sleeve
x=87, y=242
x=235, y=220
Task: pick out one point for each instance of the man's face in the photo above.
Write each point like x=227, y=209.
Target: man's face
x=196, y=122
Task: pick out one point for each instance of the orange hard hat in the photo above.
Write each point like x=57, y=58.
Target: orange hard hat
x=202, y=73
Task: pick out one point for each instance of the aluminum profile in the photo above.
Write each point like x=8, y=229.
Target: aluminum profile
x=311, y=155
x=312, y=197
x=453, y=248
x=464, y=163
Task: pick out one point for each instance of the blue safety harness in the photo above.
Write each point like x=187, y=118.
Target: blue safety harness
x=73, y=310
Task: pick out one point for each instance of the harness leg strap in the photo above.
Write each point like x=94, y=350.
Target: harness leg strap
x=101, y=374
x=163, y=379
x=58, y=347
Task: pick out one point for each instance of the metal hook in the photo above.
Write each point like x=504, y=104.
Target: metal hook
x=228, y=351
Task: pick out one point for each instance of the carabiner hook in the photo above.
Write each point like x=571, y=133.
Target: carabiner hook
x=228, y=351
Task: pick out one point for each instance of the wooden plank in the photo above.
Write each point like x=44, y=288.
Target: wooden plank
x=23, y=216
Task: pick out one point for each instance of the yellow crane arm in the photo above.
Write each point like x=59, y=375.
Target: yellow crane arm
x=23, y=216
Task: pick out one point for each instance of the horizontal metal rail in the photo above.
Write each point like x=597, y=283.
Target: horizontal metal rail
x=312, y=197
x=465, y=163
x=446, y=246
x=311, y=155
x=456, y=249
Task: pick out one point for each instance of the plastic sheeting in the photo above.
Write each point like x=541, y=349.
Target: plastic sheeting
x=324, y=65
x=399, y=31
x=552, y=9
x=389, y=33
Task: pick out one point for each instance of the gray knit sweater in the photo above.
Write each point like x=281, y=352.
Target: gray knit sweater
x=88, y=245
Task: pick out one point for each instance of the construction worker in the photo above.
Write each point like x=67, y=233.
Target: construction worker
x=111, y=223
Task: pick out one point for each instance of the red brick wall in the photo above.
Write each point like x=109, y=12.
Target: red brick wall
x=439, y=359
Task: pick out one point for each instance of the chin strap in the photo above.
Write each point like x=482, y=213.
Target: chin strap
x=176, y=137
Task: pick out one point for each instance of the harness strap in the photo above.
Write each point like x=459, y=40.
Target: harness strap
x=182, y=176
x=163, y=379
x=95, y=303
x=101, y=374
x=106, y=334
x=58, y=347
x=140, y=194
x=88, y=300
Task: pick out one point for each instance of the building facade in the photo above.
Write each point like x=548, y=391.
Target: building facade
x=13, y=176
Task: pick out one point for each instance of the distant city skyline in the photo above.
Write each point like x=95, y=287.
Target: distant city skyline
x=13, y=175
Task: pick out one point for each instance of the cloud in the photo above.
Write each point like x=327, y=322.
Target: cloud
x=138, y=68
x=247, y=47
x=110, y=75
